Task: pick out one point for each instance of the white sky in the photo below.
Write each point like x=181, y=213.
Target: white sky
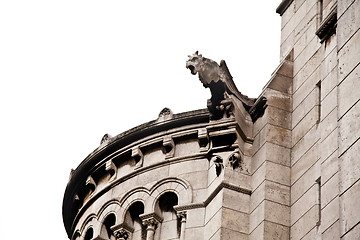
x=71, y=71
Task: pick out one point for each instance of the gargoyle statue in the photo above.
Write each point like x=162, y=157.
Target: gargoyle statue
x=219, y=80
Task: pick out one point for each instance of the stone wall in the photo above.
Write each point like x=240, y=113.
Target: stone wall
x=325, y=113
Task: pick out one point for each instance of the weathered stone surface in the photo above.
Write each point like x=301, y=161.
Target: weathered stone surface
x=307, y=104
x=329, y=167
x=305, y=163
x=305, y=182
x=305, y=223
x=328, y=124
x=302, y=93
x=236, y=201
x=348, y=56
x=349, y=208
x=302, y=75
x=303, y=127
x=304, y=203
x=348, y=123
x=330, y=213
x=349, y=167
x=349, y=22
x=304, y=144
x=234, y=220
x=333, y=232
x=195, y=218
x=329, y=144
x=347, y=93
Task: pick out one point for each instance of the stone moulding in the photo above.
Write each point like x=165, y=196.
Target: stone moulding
x=221, y=186
x=283, y=6
x=328, y=26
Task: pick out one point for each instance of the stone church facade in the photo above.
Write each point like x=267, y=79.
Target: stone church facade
x=283, y=166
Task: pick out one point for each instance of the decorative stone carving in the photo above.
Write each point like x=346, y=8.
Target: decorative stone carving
x=138, y=156
x=151, y=220
x=234, y=160
x=165, y=114
x=219, y=80
x=218, y=164
x=203, y=138
x=90, y=183
x=122, y=231
x=105, y=139
x=181, y=215
x=169, y=146
x=112, y=169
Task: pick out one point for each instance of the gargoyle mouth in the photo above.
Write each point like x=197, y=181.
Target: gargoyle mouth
x=192, y=69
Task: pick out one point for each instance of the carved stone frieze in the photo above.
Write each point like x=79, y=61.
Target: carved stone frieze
x=138, y=156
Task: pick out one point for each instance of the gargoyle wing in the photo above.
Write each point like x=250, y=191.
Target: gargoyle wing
x=231, y=87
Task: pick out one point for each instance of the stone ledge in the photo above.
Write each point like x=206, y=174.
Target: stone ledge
x=283, y=6
x=328, y=26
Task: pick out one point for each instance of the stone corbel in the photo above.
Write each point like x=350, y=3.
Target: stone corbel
x=112, y=169
x=90, y=184
x=138, y=156
x=203, y=138
x=169, y=146
x=122, y=231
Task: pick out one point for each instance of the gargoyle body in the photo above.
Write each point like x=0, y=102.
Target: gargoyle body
x=219, y=80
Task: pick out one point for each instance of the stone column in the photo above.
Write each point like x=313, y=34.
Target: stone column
x=182, y=217
x=151, y=221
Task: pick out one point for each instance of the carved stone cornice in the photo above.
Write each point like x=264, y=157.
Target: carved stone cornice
x=328, y=26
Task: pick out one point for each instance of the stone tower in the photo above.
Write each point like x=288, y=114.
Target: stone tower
x=282, y=166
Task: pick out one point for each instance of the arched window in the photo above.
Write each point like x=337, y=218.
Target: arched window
x=133, y=220
x=106, y=232
x=170, y=226
x=89, y=234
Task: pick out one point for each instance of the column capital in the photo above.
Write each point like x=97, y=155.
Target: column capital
x=150, y=220
x=122, y=231
x=181, y=215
